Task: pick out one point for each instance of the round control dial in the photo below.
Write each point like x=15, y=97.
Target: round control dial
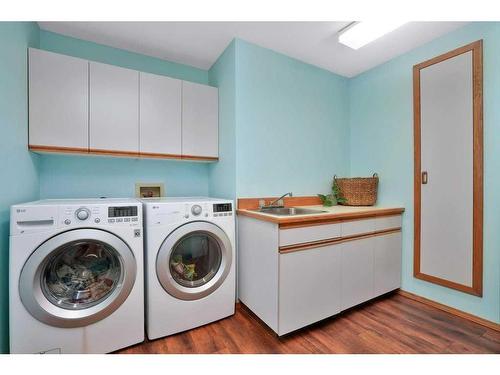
x=196, y=210
x=82, y=214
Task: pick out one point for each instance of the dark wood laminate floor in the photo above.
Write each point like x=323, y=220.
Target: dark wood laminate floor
x=390, y=324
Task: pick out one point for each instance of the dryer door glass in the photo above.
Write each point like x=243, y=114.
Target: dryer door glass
x=195, y=259
x=80, y=274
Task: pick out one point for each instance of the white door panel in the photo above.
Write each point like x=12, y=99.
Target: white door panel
x=114, y=108
x=446, y=154
x=309, y=287
x=357, y=272
x=160, y=114
x=58, y=100
x=200, y=120
x=386, y=263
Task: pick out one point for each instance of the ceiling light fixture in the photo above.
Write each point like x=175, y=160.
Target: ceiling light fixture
x=358, y=34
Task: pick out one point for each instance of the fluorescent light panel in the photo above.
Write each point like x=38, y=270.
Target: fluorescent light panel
x=359, y=34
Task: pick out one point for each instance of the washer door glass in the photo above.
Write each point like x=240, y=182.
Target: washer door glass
x=77, y=278
x=81, y=274
x=195, y=259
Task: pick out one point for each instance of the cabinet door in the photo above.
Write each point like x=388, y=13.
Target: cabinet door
x=291, y=236
x=387, y=263
x=357, y=272
x=160, y=114
x=200, y=120
x=58, y=100
x=309, y=287
x=114, y=108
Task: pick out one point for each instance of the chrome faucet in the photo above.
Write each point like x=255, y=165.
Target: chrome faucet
x=273, y=205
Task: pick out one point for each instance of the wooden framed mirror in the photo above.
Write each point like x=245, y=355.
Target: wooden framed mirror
x=448, y=169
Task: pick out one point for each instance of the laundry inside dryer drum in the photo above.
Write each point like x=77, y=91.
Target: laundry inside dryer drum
x=195, y=259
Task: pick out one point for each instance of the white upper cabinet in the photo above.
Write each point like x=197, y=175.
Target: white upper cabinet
x=160, y=115
x=114, y=108
x=77, y=105
x=58, y=100
x=200, y=120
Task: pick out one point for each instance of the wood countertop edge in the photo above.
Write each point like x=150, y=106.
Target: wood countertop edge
x=322, y=218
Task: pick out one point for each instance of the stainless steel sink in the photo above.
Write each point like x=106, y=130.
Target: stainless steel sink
x=289, y=211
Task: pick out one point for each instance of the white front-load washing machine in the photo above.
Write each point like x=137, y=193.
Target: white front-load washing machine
x=190, y=263
x=76, y=276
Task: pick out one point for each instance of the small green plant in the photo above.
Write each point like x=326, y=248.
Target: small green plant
x=332, y=199
x=337, y=194
x=328, y=200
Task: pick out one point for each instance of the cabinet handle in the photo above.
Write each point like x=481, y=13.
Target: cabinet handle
x=424, y=178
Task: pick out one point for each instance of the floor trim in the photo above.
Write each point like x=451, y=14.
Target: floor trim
x=451, y=310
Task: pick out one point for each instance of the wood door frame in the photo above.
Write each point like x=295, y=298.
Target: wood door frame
x=477, y=221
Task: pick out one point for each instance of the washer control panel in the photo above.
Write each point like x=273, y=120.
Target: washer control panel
x=99, y=215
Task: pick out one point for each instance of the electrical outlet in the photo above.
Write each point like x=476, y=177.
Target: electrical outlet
x=149, y=190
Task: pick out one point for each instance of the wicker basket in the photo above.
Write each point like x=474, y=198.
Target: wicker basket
x=358, y=191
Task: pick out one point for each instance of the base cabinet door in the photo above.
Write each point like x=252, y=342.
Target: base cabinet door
x=387, y=263
x=309, y=287
x=114, y=109
x=200, y=120
x=58, y=100
x=357, y=272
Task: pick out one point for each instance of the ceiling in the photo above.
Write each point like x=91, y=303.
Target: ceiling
x=199, y=44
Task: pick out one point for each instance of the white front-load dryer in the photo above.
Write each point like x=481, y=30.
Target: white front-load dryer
x=76, y=276
x=190, y=263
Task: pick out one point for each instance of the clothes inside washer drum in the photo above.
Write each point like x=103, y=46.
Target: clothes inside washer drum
x=81, y=274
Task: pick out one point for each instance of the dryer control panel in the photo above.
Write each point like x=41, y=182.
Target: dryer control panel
x=180, y=212
x=223, y=209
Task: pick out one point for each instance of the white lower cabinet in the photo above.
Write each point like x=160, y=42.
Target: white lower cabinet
x=357, y=272
x=309, y=283
x=290, y=280
x=370, y=268
x=386, y=263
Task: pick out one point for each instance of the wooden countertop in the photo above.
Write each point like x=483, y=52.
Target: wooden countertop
x=332, y=214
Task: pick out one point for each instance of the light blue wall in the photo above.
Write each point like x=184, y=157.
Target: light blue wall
x=291, y=124
x=381, y=121
x=83, y=176
x=99, y=176
x=115, y=56
x=18, y=168
x=222, y=175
